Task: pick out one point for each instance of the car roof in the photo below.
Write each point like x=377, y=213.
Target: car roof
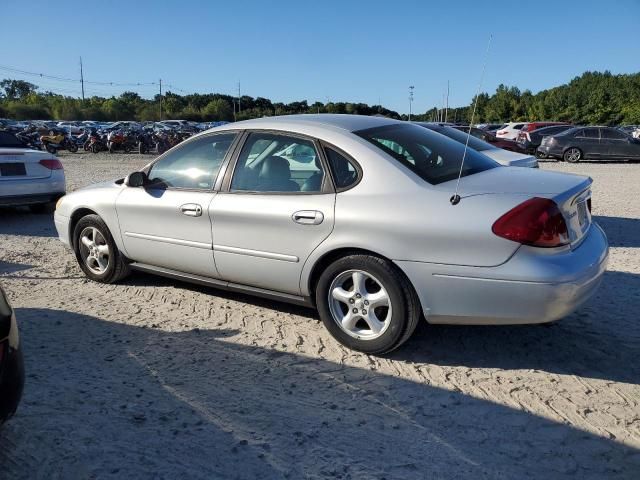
x=350, y=123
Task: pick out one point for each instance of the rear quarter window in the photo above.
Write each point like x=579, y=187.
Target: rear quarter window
x=433, y=157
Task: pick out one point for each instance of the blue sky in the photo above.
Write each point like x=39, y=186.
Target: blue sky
x=361, y=51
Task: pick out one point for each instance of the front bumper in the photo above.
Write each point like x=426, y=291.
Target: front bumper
x=62, y=226
x=534, y=286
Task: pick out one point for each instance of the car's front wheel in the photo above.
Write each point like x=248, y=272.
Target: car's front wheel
x=96, y=251
x=367, y=304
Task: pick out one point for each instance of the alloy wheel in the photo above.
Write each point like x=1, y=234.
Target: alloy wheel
x=359, y=304
x=573, y=155
x=94, y=250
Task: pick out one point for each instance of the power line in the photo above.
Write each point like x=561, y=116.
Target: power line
x=74, y=80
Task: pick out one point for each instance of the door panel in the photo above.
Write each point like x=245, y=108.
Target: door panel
x=168, y=228
x=258, y=240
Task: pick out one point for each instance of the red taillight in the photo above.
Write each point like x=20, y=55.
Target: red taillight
x=537, y=222
x=51, y=163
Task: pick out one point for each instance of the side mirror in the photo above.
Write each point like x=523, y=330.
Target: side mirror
x=136, y=179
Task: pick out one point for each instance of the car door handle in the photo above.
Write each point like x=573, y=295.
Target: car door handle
x=191, y=209
x=308, y=217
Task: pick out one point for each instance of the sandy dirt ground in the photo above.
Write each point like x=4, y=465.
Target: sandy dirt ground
x=153, y=378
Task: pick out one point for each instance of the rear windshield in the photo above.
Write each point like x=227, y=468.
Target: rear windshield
x=461, y=137
x=433, y=157
x=9, y=140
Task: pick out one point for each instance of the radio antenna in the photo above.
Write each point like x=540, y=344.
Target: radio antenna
x=455, y=199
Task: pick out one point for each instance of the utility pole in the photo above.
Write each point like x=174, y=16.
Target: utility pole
x=410, y=100
x=239, y=107
x=81, y=79
x=446, y=114
x=160, y=99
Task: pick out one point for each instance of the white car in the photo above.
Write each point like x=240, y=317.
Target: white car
x=29, y=177
x=510, y=131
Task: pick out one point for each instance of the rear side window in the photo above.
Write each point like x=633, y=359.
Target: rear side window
x=612, y=134
x=343, y=170
x=591, y=133
x=433, y=157
x=518, y=126
x=278, y=163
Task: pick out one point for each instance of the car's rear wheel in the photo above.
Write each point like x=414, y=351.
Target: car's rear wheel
x=572, y=155
x=367, y=304
x=96, y=251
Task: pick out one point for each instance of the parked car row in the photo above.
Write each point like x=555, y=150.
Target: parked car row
x=590, y=143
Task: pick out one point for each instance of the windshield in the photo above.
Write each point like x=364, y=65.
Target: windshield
x=461, y=137
x=433, y=157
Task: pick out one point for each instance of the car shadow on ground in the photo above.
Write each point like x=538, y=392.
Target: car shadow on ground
x=21, y=221
x=105, y=399
x=621, y=231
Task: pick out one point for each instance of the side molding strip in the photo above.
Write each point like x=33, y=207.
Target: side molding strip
x=173, y=241
x=256, y=253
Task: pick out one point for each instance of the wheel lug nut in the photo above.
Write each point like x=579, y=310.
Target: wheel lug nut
x=358, y=295
x=364, y=312
x=351, y=300
x=355, y=310
x=366, y=302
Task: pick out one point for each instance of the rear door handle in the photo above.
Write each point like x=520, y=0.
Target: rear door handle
x=191, y=209
x=308, y=217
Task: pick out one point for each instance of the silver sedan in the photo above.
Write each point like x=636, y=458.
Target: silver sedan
x=352, y=215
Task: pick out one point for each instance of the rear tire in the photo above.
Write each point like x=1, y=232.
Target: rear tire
x=97, y=252
x=73, y=148
x=572, y=155
x=367, y=304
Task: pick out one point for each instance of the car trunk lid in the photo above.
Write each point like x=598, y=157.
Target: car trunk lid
x=572, y=193
x=22, y=164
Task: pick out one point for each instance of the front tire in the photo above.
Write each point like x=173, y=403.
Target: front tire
x=96, y=251
x=51, y=149
x=367, y=304
x=572, y=155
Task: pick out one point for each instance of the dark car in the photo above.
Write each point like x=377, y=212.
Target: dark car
x=11, y=366
x=490, y=137
x=591, y=143
x=530, y=141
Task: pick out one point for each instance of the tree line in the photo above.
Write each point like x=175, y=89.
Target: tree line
x=592, y=98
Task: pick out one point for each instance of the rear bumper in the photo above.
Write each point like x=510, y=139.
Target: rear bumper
x=18, y=200
x=26, y=191
x=534, y=286
x=550, y=151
